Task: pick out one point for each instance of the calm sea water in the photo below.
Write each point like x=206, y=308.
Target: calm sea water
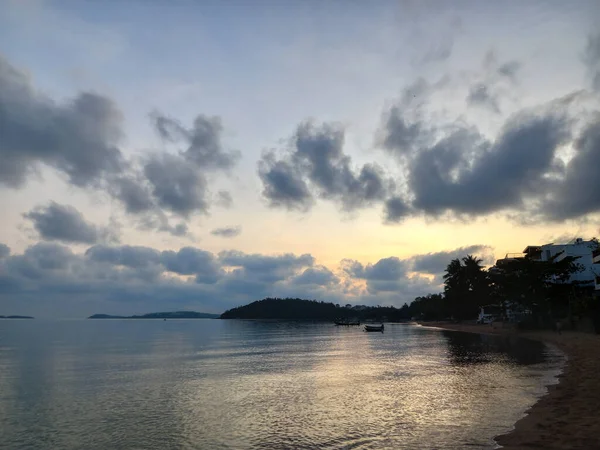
x=212, y=384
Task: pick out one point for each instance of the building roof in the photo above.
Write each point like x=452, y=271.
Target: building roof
x=532, y=248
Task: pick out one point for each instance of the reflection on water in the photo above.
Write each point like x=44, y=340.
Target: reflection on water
x=237, y=384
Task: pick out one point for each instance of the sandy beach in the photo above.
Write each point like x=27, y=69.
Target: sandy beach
x=568, y=417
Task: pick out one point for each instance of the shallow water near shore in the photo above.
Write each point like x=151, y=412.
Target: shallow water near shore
x=249, y=384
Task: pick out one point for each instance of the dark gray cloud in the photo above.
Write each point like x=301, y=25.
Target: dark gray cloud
x=465, y=173
x=133, y=194
x=49, y=278
x=79, y=138
x=316, y=166
x=435, y=263
x=176, y=185
x=576, y=192
x=126, y=255
x=318, y=275
x=4, y=250
x=227, y=232
x=266, y=268
x=192, y=261
x=177, y=182
x=43, y=256
x=396, y=210
x=283, y=184
x=480, y=95
x=203, y=141
x=401, y=135
x=386, y=275
x=56, y=222
x=404, y=129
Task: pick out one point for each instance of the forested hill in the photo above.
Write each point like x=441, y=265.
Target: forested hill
x=298, y=309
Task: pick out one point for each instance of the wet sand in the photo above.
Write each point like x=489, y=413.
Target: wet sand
x=568, y=417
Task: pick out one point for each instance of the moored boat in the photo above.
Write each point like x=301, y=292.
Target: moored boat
x=374, y=328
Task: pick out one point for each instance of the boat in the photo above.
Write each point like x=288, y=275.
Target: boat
x=346, y=323
x=374, y=328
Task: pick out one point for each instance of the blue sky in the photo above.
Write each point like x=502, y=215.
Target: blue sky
x=374, y=133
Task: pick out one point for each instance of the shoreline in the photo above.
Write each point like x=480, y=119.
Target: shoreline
x=566, y=416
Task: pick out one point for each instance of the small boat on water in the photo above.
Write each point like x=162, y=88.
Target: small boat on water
x=346, y=323
x=374, y=328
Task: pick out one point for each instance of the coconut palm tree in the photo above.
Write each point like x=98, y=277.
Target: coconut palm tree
x=465, y=286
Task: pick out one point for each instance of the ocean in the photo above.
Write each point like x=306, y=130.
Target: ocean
x=229, y=384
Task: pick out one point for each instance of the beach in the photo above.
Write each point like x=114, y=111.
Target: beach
x=567, y=417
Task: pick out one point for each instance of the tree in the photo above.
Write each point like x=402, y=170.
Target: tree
x=466, y=287
x=539, y=286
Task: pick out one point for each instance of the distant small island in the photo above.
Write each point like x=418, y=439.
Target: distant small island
x=161, y=315
x=16, y=317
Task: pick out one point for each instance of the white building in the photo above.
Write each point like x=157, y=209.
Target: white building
x=587, y=251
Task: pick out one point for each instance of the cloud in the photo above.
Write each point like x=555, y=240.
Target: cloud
x=510, y=69
x=227, y=232
x=203, y=141
x=192, y=261
x=453, y=168
x=266, y=268
x=177, y=186
x=56, y=222
x=494, y=83
x=283, y=184
x=79, y=137
x=592, y=60
x=128, y=256
x=133, y=194
x=575, y=192
x=411, y=274
x=404, y=129
x=4, y=250
x=386, y=275
x=127, y=279
x=177, y=182
x=50, y=278
x=480, y=95
x=319, y=275
x=400, y=135
x=435, y=263
x=224, y=199
x=315, y=166
x=465, y=173
x=395, y=210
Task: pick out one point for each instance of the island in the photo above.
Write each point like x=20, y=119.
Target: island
x=300, y=309
x=161, y=315
x=16, y=317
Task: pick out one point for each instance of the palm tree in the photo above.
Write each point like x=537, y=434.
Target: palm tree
x=473, y=271
x=465, y=286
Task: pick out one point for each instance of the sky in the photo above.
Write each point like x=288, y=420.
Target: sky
x=200, y=155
